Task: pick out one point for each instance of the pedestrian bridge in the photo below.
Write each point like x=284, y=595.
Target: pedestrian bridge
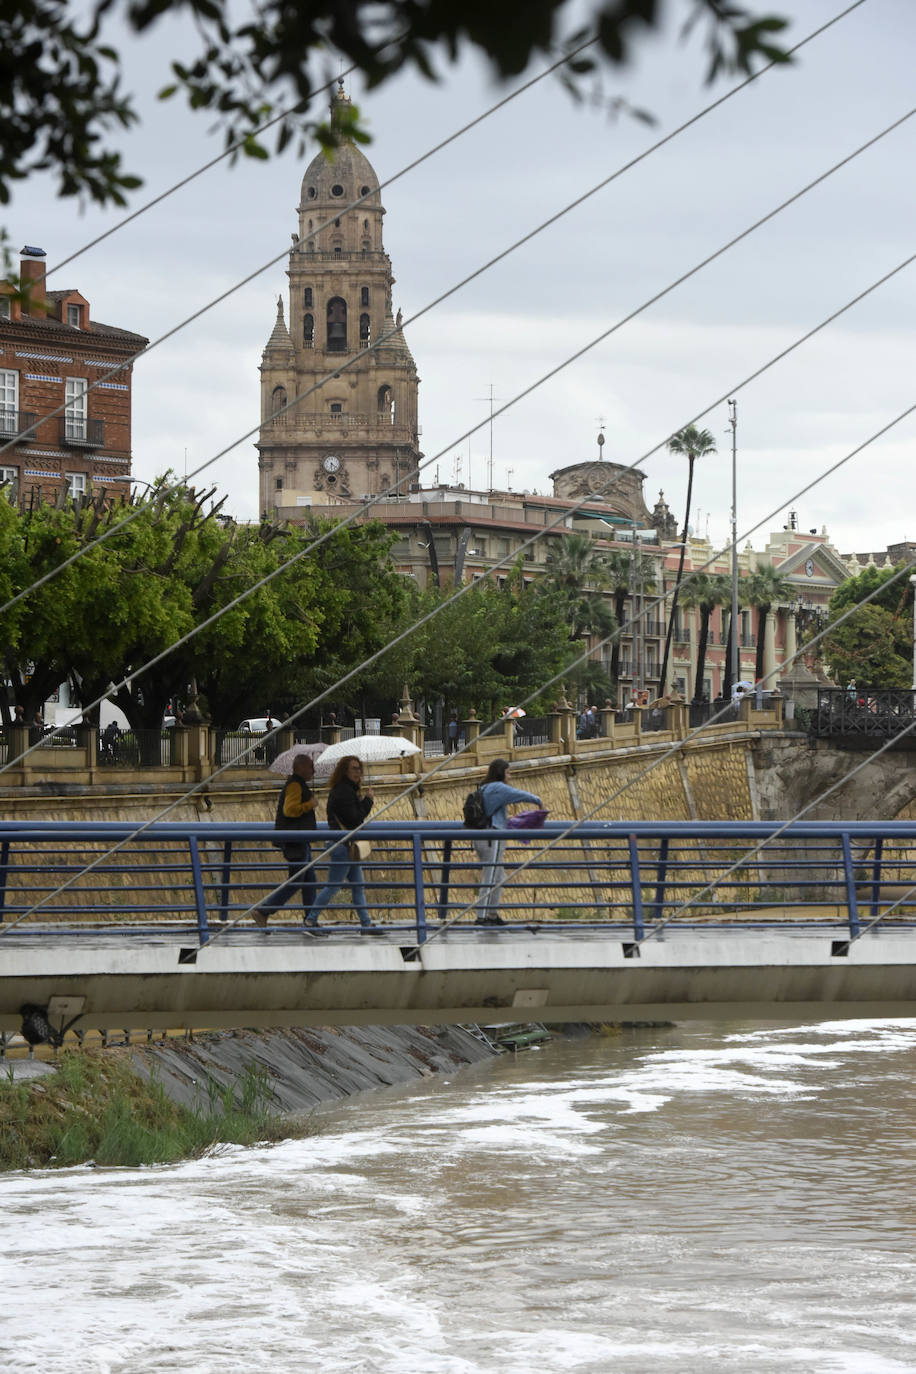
x=118, y=926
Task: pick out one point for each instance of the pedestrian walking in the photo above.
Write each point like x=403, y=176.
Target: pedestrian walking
x=348, y=807
x=295, y=819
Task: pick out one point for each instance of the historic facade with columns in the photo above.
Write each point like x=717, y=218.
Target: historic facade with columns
x=339, y=386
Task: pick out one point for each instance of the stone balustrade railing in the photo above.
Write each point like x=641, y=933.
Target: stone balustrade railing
x=196, y=752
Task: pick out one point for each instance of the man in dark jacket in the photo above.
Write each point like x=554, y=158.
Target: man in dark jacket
x=296, y=814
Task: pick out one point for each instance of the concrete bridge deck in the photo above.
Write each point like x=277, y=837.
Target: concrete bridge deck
x=102, y=927
x=166, y=980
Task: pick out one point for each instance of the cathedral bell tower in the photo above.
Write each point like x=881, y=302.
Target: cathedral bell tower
x=356, y=435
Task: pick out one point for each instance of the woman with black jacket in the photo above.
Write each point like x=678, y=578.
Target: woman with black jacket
x=347, y=810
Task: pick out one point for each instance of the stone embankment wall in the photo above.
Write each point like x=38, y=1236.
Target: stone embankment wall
x=305, y=1067
x=707, y=779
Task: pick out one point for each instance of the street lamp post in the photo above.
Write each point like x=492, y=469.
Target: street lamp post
x=733, y=647
x=913, y=585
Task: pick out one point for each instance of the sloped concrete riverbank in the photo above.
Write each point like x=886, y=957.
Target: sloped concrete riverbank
x=303, y=1067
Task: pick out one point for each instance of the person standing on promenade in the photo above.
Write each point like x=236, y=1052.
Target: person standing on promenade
x=295, y=817
x=497, y=796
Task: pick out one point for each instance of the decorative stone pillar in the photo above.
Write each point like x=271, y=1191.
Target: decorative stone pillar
x=471, y=726
x=566, y=724
x=284, y=739
x=791, y=639
x=769, y=650
x=409, y=725
x=199, y=757
x=87, y=738
x=606, y=715
x=179, y=747
x=330, y=730
x=18, y=743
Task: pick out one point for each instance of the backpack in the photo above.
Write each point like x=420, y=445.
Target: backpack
x=475, y=812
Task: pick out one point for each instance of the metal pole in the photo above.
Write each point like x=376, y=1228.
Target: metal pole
x=913, y=585
x=733, y=422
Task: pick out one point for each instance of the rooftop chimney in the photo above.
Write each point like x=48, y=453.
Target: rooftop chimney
x=32, y=270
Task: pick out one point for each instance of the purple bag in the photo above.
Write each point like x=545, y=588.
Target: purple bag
x=527, y=820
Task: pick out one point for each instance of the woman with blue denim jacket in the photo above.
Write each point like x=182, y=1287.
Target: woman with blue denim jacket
x=497, y=796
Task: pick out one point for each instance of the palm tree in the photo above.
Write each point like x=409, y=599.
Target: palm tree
x=762, y=589
x=705, y=591
x=621, y=571
x=693, y=443
x=580, y=573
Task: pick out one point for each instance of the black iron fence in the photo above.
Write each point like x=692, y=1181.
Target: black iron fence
x=865, y=713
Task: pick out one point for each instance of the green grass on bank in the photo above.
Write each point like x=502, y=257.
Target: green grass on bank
x=95, y=1107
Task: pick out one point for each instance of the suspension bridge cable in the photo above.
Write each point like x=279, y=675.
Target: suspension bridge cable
x=366, y=506
x=506, y=560
x=237, y=286
x=679, y=744
x=186, y=180
x=204, y=783
x=437, y=301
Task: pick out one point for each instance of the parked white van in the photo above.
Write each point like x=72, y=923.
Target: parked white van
x=256, y=725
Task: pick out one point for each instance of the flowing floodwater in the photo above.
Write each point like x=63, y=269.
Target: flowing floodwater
x=700, y=1198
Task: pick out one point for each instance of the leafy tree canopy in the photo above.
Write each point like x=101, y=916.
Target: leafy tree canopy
x=165, y=573
x=895, y=597
x=873, y=646
x=63, y=106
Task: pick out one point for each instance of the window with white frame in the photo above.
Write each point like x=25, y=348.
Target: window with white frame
x=5, y=308
x=9, y=475
x=74, y=313
x=76, y=483
x=9, y=401
x=75, y=408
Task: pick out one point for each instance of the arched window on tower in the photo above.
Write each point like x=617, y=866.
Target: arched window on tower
x=386, y=403
x=307, y=298
x=337, y=325
x=364, y=331
x=308, y=330
x=277, y=400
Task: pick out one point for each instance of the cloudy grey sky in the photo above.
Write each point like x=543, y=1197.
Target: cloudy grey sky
x=198, y=393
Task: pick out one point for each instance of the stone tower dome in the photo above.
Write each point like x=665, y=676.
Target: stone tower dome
x=339, y=405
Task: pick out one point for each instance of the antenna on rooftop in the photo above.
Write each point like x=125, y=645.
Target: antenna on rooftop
x=491, y=398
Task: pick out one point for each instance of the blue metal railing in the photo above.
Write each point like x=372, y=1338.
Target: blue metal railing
x=619, y=874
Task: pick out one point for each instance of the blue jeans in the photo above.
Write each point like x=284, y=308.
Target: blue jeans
x=301, y=879
x=340, y=871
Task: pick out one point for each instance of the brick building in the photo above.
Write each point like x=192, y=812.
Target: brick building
x=64, y=409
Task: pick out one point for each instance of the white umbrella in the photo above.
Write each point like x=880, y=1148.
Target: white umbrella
x=283, y=763
x=366, y=748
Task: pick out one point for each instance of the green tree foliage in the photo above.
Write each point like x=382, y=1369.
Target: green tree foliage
x=166, y=573
x=764, y=588
x=580, y=576
x=622, y=570
x=896, y=596
x=691, y=443
x=490, y=646
x=874, y=644
x=705, y=591
x=62, y=107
